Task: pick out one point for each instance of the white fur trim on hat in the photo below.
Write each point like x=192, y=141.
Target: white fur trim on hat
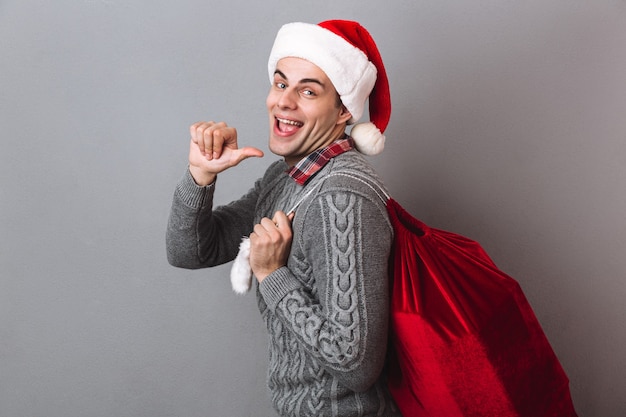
x=347, y=67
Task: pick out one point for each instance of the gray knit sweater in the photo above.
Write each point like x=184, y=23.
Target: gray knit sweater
x=327, y=310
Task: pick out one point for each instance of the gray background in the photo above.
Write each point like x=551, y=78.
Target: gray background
x=508, y=126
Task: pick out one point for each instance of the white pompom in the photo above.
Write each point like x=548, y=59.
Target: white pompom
x=368, y=138
x=241, y=273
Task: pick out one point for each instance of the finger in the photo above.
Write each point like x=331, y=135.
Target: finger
x=197, y=134
x=223, y=136
x=196, y=129
x=214, y=138
x=193, y=129
x=280, y=218
x=207, y=142
x=282, y=221
x=269, y=225
x=260, y=234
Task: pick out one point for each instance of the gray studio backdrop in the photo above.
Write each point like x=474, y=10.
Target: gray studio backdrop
x=508, y=126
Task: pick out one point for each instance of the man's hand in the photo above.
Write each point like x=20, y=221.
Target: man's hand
x=270, y=244
x=213, y=149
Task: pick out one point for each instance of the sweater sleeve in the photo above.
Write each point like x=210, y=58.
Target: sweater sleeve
x=198, y=236
x=344, y=242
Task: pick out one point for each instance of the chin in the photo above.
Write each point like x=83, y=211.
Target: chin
x=276, y=149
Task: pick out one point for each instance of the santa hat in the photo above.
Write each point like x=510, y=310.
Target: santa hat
x=346, y=52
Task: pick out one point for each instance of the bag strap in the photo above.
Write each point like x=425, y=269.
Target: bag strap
x=384, y=197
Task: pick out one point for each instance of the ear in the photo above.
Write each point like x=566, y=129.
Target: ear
x=344, y=115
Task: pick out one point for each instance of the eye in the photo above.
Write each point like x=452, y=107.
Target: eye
x=309, y=93
x=281, y=85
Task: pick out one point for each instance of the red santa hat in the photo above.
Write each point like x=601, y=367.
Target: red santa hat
x=346, y=52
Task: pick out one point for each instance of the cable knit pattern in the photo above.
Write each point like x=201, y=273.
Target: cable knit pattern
x=343, y=298
x=326, y=311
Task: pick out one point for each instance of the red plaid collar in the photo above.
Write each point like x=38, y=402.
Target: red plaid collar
x=307, y=167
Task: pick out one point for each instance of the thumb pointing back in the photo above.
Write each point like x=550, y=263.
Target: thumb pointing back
x=247, y=152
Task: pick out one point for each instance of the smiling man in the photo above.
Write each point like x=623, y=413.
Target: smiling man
x=305, y=110
x=321, y=271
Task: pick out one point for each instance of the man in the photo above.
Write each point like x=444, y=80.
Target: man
x=322, y=271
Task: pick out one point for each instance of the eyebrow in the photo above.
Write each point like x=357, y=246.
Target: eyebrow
x=302, y=81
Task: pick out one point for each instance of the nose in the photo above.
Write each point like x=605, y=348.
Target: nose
x=286, y=100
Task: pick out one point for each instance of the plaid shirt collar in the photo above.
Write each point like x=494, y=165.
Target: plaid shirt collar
x=310, y=165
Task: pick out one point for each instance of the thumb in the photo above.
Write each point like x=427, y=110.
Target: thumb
x=247, y=152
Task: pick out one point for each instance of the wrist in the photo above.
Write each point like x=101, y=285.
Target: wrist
x=200, y=177
x=262, y=273
x=276, y=285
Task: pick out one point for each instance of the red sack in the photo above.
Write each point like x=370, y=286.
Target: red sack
x=464, y=339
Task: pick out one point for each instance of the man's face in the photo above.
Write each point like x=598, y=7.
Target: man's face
x=304, y=110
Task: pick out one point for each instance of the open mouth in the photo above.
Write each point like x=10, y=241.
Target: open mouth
x=287, y=125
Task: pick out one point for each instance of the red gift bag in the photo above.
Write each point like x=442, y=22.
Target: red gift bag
x=464, y=339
